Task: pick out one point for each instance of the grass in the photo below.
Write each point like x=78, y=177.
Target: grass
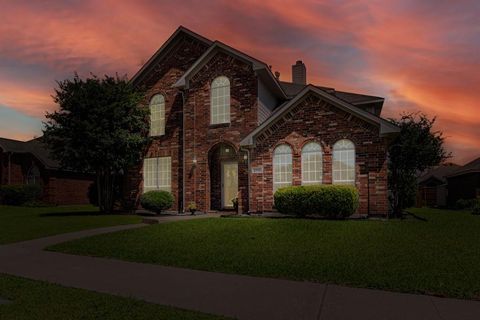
x=40, y=300
x=25, y=223
x=440, y=256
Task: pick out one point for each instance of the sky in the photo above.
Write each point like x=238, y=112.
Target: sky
x=419, y=55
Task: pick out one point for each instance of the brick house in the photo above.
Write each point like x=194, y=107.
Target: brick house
x=223, y=126
x=29, y=163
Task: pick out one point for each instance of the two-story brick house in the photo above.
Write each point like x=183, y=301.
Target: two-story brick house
x=224, y=126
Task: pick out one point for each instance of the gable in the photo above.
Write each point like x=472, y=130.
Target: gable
x=182, y=34
x=289, y=109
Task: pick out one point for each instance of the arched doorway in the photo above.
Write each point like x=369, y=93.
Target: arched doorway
x=223, y=165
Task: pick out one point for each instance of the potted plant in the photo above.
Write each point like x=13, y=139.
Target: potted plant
x=192, y=207
x=235, y=204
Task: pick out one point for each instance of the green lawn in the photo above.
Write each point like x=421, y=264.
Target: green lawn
x=25, y=223
x=440, y=256
x=40, y=300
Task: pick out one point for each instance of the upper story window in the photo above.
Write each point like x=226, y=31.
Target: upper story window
x=312, y=163
x=220, y=101
x=344, y=162
x=282, y=167
x=157, y=115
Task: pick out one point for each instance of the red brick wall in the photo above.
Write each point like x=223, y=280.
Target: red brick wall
x=180, y=57
x=201, y=137
x=317, y=120
x=66, y=188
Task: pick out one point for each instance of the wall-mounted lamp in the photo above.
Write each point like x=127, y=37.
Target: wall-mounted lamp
x=194, y=162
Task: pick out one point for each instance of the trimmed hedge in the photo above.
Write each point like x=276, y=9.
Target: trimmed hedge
x=463, y=204
x=329, y=201
x=156, y=201
x=17, y=195
x=476, y=207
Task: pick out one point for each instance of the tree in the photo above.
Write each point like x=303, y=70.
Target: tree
x=414, y=150
x=99, y=128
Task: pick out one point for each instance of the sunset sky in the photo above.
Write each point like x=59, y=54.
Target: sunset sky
x=419, y=55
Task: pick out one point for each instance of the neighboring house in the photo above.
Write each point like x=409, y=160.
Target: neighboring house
x=224, y=126
x=432, y=186
x=29, y=162
x=464, y=183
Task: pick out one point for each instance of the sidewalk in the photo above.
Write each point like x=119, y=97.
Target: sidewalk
x=241, y=297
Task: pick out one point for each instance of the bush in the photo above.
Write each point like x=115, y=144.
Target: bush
x=476, y=207
x=463, y=204
x=17, y=195
x=330, y=201
x=156, y=201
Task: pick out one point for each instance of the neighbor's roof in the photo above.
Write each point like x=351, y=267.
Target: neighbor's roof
x=440, y=173
x=386, y=127
x=35, y=147
x=472, y=166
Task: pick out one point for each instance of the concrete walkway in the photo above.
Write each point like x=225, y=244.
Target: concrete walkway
x=236, y=296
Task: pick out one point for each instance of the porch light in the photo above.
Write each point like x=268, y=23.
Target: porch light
x=194, y=161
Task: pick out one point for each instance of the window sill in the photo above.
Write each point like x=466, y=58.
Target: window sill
x=219, y=125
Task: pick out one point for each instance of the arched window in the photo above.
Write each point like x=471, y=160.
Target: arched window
x=220, y=101
x=33, y=175
x=344, y=162
x=157, y=115
x=312, y=163
x=282, y=167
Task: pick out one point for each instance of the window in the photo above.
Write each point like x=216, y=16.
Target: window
x=157, y=174
x=220, y=101
x=33, y=175
x=312, y=164
x=344, y=162
x=282, y=167
x=157, y=115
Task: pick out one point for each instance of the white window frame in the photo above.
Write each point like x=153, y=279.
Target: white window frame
x=157, y=174
x=220, y=100
x=282, y=166
x=312, y=163
x=157, y=115
x=343, y=164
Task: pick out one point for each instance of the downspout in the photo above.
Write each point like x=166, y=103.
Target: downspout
x=182, y=207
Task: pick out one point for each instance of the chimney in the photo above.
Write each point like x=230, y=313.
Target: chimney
x=299, y=73
x=277, y=75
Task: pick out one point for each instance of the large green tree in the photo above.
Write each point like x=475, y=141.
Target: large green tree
x=98, y=128
x=417, y=148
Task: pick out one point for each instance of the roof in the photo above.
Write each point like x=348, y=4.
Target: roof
x=157, y=55
x=262, y=69
x=35, y=147
x=386, y=127
x=472, y=166
x=440, y=173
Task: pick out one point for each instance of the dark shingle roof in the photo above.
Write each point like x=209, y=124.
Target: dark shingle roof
x=472, y=166
x=35, y=147
x=438, y=173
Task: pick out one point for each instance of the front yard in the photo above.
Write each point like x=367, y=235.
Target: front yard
x=40, y=300
x=25, y=223
x=440, y=256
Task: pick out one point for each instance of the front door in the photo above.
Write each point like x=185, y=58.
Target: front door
x=229, y=183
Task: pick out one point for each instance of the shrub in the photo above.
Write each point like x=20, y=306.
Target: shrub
x=463, y=204
x=156, y=201
x=476, y=207
x=17, y=195
x=330, y=201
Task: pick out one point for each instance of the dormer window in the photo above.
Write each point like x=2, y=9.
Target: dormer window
x=220, y=101
x=157, y=115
